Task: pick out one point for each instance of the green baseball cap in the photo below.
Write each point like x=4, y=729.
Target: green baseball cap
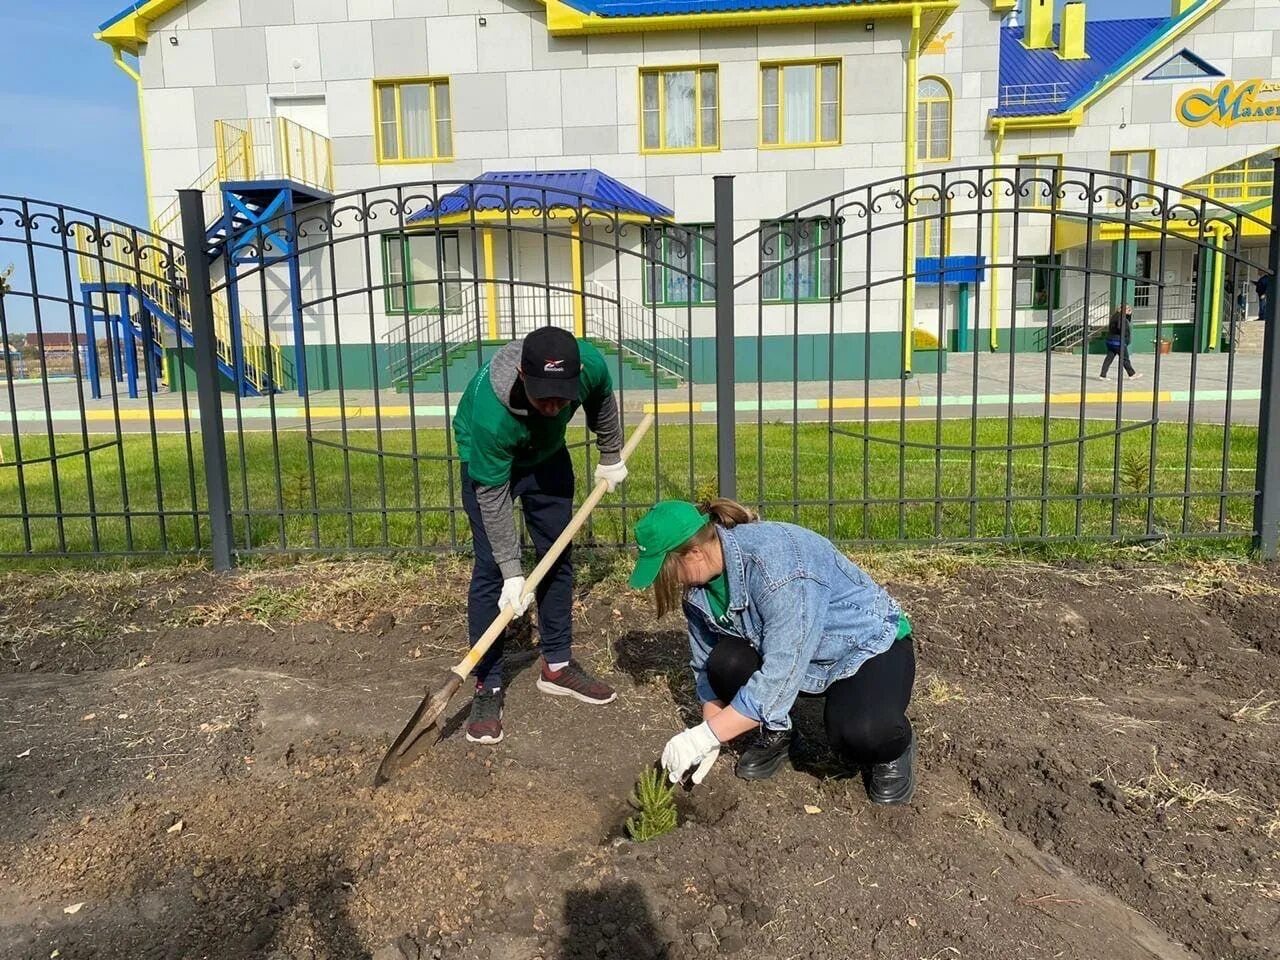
x=667, y=526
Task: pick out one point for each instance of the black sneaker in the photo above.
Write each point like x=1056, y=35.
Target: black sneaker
x=485, y=723
x=894, y=782
x=768, y=751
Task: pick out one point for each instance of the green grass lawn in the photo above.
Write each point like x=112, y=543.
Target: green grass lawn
x=922, y=485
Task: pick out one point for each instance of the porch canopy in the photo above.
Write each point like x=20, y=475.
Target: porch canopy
x=499, y=194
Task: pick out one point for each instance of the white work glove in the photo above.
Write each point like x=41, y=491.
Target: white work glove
x=612, y=474
x=513, y=596
x=697, y=748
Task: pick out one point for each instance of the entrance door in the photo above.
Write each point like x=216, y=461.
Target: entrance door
x=302, y=154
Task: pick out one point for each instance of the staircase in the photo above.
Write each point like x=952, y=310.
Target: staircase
x=248, y=153
x=1071, y=325
x=652, y=348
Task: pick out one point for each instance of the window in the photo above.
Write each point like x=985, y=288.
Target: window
x=1134, y=163
x=932, y=235
x=1184, y=66
x=797, y=260
x=933, y=120
x=680, y=110
x=681, y=266
x=412, y=264
x=1248, y=179
x=800, y=104
x=1038, y=179
x=1038, y=280
x=413, y=120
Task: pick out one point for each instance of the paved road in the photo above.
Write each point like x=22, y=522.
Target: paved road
x=1172, y=387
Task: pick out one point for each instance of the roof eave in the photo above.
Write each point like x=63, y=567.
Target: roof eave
x=564, y=20
x=131, y=28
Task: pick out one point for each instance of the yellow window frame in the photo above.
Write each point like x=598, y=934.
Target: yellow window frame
x=698, y=69
x=1039, y=162
x=928, y=227
x=1128, y=162
x=1244, y=181
x=818, y=63
x=925, y=108
x=396, y=83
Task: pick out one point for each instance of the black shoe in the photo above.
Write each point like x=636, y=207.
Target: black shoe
x=768, y=751
x=485, y=723
x=894, y=782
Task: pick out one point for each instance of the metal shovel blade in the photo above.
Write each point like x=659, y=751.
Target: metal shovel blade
x=422, y=730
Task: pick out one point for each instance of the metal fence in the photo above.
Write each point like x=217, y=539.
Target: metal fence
x=910, y=361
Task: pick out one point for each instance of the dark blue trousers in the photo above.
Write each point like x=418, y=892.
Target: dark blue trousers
x=546, y=496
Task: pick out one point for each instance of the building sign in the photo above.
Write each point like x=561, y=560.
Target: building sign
x=1229, y=103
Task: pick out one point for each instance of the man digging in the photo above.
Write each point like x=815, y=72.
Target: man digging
x=510, y=429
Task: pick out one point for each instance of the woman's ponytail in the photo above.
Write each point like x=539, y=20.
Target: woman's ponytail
x=728, y=513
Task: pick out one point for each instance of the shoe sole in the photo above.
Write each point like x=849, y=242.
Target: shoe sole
x=555, y=690
x=487, y=740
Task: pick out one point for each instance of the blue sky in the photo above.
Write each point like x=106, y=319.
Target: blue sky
x=68, y=117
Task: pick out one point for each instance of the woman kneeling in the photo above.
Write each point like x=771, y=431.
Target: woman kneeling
x=775, y=611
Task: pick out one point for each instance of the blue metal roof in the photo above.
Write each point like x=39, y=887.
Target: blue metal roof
x=657, y=8
x=533, y=190
x=1034, y=82
x=131, y=8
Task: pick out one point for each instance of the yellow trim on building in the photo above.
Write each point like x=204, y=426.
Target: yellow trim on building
x=1070, y=119
x=579, y=291
x=491, y=290
x=915, y=45
x=780, y=65
x=133, y=75
x=926, y=102
x=564, y=20
x=696, y=69
x=395, y=83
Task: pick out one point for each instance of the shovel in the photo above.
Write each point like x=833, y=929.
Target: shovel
x=423, y=727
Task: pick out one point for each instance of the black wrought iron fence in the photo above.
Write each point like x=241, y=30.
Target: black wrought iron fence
x=914, y=360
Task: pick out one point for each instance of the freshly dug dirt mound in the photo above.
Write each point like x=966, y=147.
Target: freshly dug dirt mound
x=186, y=765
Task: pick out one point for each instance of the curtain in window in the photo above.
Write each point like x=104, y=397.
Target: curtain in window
x=415, y=115
x=681, y=119
x=444, y=133
x=425, y=293
x=652, y=115
x=388, y=122
x=799, y=103
x=710, y=106
x=769, y=104
x=393, y=250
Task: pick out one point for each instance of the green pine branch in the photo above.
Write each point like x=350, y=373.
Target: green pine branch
x=655, y=799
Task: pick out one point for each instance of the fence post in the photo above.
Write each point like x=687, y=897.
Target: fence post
x=726, y=417
x=1266, y=508
x=208, y=379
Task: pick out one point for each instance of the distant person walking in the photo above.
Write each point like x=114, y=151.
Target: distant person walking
x=1263, y=286
x=1119, y=337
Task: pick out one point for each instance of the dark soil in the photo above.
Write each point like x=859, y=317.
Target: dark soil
x=189, y=758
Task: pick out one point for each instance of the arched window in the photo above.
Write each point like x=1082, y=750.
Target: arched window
x=933, y=120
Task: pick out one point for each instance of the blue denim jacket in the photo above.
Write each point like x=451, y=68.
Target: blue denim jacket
x=810, y=612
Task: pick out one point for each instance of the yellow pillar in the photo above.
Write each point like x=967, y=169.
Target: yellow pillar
x=491, y=290
x=1071, y=45
x=993, y=274
x=1039, y=29
x=575, y=254
x=909, y=294
x=1217, y=278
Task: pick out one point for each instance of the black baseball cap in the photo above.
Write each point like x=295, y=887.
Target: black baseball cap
x=551, y=364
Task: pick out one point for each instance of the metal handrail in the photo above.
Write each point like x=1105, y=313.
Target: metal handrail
x=637, y=330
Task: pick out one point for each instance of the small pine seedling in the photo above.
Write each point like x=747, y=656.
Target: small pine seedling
x=656, y=801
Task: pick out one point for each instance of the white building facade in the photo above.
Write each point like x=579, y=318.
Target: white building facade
x=799, y=102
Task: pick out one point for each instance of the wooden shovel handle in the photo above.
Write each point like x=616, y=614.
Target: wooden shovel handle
x=531, y=582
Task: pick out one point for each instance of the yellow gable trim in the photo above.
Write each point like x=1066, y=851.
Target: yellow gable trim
x=1075, y=116
x=564, y=20
x=126, y=33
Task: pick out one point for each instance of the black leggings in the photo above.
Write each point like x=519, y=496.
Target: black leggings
x=865, y=715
